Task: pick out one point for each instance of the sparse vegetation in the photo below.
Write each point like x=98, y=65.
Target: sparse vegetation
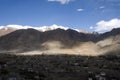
x=59, y=67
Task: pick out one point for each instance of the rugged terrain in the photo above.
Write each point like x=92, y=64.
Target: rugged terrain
x=61, y=41
x=59, y=67
x=29, y=54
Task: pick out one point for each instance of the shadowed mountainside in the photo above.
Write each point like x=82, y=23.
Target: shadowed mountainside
x=31, y=38
x=59, y=40
x=39, y=64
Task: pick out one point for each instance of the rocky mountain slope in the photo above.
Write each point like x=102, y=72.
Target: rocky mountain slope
x=4, y=31
x=28, y=38
x=61, y=40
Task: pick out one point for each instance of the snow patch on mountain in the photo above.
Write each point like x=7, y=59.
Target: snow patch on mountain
x=42, y=29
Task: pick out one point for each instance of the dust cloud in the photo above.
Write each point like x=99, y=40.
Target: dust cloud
x=84, y=49
x=55, y=47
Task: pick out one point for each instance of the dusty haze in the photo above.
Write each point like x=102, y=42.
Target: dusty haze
x=84, y=49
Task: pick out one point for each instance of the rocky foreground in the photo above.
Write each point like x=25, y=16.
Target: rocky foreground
x=59, y=67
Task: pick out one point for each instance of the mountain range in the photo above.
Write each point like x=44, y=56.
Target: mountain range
x=59, y=40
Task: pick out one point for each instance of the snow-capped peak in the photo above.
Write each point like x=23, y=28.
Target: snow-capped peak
x=52, y=27
x=42, y=29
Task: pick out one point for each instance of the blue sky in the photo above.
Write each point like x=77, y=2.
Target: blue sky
x=80, y=14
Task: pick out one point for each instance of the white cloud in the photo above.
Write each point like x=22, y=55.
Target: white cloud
x=52, y=27
x=102, y=7
x=61, y=1
x=80, y=9
x=16, y=26
x=40, y=28
x=103, y=26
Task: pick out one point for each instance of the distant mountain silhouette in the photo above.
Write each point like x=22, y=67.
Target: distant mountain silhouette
x=111, y=33
x=20, y=39
x=4, y=31
x=31, y=39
